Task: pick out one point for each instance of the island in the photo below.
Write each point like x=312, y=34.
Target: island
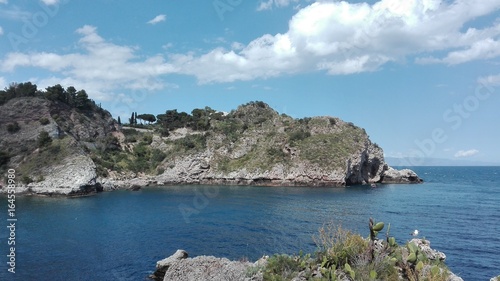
x=60, y=142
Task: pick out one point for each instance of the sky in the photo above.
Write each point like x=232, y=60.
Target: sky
x=421, y=76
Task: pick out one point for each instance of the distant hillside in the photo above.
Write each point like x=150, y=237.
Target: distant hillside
x=60, y=142
x=394, y=161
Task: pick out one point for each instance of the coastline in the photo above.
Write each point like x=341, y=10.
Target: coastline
x=97, y=185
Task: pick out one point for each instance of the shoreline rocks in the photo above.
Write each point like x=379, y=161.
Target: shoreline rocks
x=207, y=268
x=79, y=178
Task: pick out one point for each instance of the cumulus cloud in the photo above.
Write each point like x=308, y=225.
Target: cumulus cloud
x=100, y=67
x=484, y=49
x=336, y=37
x=346, y=38
x=157, y=19
x=269, y=4
x=466, y=153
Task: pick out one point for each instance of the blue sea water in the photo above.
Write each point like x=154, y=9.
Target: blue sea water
x=120, y=235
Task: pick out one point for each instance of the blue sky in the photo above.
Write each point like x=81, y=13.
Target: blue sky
x=421, y=76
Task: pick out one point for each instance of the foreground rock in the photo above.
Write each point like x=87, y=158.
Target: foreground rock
x=163, y=265
x=180, y=267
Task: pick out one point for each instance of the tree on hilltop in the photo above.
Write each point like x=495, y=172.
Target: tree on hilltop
x=82, y=100
x=147, y=117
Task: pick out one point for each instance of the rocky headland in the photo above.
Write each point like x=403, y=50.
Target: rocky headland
x=389, y=263
x=57, y=146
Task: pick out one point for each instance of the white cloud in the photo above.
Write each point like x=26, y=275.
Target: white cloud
x=267, y=5
x=466, y=153
x=100, y=68
x=167, y=46
x=491, y=80
x=484, y=49
x=157, y=19
x=1, y=30
x=346, y=38
x=336, y=37
x=3, y=1
x=50, y=2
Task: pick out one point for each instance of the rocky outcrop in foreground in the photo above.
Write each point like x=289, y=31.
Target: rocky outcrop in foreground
x=180, y=267
x=207, y=268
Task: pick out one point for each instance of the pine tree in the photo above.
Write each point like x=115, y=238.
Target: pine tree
x=119, y=121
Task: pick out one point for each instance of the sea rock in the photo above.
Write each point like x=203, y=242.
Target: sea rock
x=179, y=267
x=367, y=167
x=163, y=265
x=391, y=175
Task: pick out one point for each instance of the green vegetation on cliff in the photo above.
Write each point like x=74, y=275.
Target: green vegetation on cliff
x=253, y=138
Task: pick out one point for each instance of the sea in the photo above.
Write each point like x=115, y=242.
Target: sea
x=121, y=235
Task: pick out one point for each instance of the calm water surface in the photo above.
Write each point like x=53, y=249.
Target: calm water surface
x=120, y=235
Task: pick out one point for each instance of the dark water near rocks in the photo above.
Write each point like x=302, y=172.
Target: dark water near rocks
x=121, y=235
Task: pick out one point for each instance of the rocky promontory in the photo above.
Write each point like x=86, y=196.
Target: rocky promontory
x=393, y=263
x=60, y=142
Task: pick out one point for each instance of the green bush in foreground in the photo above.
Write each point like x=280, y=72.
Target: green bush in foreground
x=342, y=254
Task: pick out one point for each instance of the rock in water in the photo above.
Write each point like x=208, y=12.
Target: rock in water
x=163, y=265
x=391, y=175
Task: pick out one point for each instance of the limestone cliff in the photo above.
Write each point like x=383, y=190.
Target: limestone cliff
x=62, y=164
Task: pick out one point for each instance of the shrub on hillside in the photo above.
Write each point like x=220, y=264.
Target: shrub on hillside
x=44, y=121
x=44, y=139
x=13, y=127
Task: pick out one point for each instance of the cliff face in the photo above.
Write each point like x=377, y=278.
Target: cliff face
x=253, y=145
x=62, y=165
